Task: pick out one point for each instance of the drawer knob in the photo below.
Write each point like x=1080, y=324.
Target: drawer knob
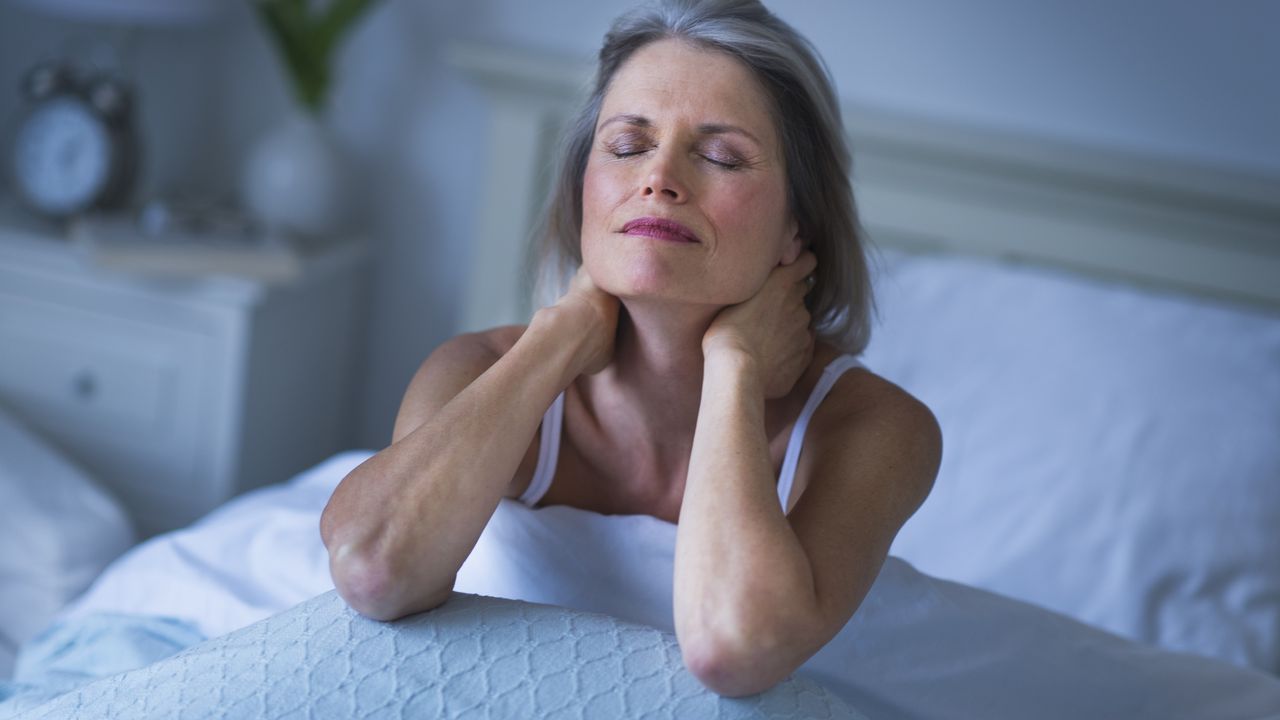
x=85, y=386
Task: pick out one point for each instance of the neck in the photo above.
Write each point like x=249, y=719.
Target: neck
x=655, y=379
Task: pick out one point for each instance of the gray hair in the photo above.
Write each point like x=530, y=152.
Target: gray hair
x=816, y=155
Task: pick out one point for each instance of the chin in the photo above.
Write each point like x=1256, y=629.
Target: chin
x=648, y=282
x=652, y=276
x=660, y=293
x=634, y=275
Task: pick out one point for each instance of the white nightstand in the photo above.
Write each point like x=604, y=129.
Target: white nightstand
x=179, y=394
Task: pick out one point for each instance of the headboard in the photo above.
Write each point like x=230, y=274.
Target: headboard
x=923, y=186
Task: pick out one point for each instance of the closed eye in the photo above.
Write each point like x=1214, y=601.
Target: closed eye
x=726, y=164
x=625, y=148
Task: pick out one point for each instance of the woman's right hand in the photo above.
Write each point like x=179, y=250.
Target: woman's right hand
x=594, y=313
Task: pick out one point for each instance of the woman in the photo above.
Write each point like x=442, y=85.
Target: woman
x=705, y=213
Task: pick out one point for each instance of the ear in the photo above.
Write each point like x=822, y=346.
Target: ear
x=792, y=247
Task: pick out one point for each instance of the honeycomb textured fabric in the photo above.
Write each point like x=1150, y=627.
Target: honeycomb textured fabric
x=473, y=657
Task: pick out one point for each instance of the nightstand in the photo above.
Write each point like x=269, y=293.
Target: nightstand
x=179, y=394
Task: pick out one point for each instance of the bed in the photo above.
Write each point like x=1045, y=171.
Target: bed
x=1099, y=337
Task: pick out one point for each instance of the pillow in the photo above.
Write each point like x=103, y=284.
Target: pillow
x=58, y=530
x=472, y=657
x=256, y=555
x=1110, y=453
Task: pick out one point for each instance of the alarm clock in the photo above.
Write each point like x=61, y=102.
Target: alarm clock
x=75, y=148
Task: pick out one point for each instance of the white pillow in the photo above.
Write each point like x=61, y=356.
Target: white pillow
x=58, y=530
x=1109, y=453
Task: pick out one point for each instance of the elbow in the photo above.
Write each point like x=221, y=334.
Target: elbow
x=730, y=671
x=744, y=648
x=365, y=584
x=374, y=588
x=366, y=573
x=749, y=656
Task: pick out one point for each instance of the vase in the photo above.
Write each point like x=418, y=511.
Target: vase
x=293, y=178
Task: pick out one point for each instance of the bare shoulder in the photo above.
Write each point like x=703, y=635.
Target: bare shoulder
x=861, y=396
x=449, y=369
x=869, y=427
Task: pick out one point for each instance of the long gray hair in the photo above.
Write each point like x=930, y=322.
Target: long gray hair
x=807, y=114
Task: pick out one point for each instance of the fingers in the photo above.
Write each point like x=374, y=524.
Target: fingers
x=799, y=263
x=799, y=274
x=582, y=277
x=804, y=265
x=583, y=283
x=795, y=274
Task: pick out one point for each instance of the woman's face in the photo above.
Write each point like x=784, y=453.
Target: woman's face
x=685, y=136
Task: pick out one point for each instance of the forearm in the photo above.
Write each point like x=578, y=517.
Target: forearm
x=742, y=578
x=400, y=525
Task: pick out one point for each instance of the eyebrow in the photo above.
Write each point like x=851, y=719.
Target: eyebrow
x=703, y=129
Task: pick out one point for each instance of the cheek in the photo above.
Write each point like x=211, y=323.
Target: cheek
x=753, y=229
x=601, y=192
x=755, y=216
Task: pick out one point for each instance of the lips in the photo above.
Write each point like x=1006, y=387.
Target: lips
x=660, y=229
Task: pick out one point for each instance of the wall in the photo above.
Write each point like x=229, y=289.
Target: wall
x=1178, y=78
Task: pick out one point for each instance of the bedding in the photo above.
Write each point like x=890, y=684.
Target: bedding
x=252, y=557
x=1109, y=452
x=58, y=530
x=918, y=648
x=472, y=657
x=71, y=654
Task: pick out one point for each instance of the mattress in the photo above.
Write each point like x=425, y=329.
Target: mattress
x=474, y=657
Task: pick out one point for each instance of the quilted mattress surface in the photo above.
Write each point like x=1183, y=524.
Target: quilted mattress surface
x=473, y=657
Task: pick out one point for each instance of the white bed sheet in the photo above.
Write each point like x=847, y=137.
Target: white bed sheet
x=919, y=647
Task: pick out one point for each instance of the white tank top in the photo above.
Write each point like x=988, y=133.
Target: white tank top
x=549, y=446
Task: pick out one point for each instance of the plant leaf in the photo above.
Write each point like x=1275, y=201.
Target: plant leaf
x=306, y=41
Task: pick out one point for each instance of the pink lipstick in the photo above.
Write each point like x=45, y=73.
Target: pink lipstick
x=660, y=229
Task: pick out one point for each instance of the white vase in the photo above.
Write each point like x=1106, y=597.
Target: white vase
x=293, y=178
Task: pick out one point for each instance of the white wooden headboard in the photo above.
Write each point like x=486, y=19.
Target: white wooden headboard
x=920, y=185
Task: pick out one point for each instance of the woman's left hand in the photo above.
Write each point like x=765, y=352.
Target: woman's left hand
x=771, y=327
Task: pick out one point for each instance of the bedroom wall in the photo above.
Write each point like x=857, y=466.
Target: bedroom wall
x=1178, y=78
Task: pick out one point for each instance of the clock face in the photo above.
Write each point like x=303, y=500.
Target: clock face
x=63, y=156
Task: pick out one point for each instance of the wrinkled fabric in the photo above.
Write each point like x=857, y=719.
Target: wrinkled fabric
x=918, y=647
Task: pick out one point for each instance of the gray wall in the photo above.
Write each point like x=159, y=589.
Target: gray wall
x=1179, y=78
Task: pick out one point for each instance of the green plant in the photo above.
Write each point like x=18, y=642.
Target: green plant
x=306, y=33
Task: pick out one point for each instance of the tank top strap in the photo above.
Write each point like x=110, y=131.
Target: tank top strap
x=833, y=371
x=553, y=421
x=548, y=453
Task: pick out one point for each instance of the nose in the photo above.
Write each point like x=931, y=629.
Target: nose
x=662, y=180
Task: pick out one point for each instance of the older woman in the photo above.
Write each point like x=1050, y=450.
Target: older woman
x=699, y=367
